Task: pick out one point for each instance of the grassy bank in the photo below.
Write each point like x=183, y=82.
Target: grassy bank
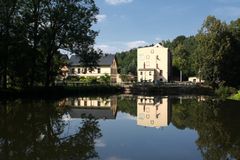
x=235, y=96
x=60, y=91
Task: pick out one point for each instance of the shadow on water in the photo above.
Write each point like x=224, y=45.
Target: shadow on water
x=217, y=124
x=34, y=129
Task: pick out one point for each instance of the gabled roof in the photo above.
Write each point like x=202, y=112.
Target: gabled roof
x=159, y=45
x=96, y=113
x=105, y=60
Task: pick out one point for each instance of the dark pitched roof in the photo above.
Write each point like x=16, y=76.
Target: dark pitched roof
x=105, y=60
x=96, y=113
x=64, y=57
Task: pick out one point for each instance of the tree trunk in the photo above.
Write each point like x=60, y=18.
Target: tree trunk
x=35, y=43
x=180, y=75
x=48, y=70
x=6, y=52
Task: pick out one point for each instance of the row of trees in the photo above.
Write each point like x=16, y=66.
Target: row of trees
x=33, y=31
x=212, y=54
x=127, y=62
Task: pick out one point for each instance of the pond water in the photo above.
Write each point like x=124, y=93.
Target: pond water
x=120, y=128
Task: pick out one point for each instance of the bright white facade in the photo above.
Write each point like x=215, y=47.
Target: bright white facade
x=107, y=65
x=153, y=112
x=153, y=64
x=100, y=108
x=195, y=80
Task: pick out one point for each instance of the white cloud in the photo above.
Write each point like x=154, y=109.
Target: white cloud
x=117, y=2
x=100, y=143
x=101, y=17
x=135, y=44
x=107, y=48
x=158, y=39
x=119, y=46
x=63, y=51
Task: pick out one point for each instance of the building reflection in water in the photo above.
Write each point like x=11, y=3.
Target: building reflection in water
x=153, y=111
x=97, y=107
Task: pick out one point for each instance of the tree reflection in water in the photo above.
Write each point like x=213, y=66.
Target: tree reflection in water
x=217, y=124
x=32, y=130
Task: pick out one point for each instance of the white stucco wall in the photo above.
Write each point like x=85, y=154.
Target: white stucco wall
x=151, y=113
x=195, y=80
x=94, y=73
x=155, y=58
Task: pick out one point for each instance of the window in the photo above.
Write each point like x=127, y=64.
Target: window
x=79, y=71
x=157, y=65
x=84, y=70
x=141, y=73
x=85, y=103
x=98, y=103
x=161, y=72
x=144, y=65
x=73, y=70
x=150, y=73
x=99, y=70
x=152, y=121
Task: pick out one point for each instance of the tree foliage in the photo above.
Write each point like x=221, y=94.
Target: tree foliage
x=127, y=62
x=212, y=54
x=35, y=30
x=36, y=130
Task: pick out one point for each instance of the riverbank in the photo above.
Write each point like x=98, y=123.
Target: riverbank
x=99, y=90
x=61, y=91
x=172, y=89
x=235, y=96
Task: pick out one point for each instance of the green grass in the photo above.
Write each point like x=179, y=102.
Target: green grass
x=235, y=96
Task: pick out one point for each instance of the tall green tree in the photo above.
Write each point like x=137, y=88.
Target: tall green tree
x=214, y=43
x=32, y=13
x=8, y=31
x=68, y=24
x=40, y=28
x=180, y=59
x=230, y=67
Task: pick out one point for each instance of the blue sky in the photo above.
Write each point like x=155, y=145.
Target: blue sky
x=125, y=24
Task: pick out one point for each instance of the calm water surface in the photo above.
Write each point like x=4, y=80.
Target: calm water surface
x=120, y=128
